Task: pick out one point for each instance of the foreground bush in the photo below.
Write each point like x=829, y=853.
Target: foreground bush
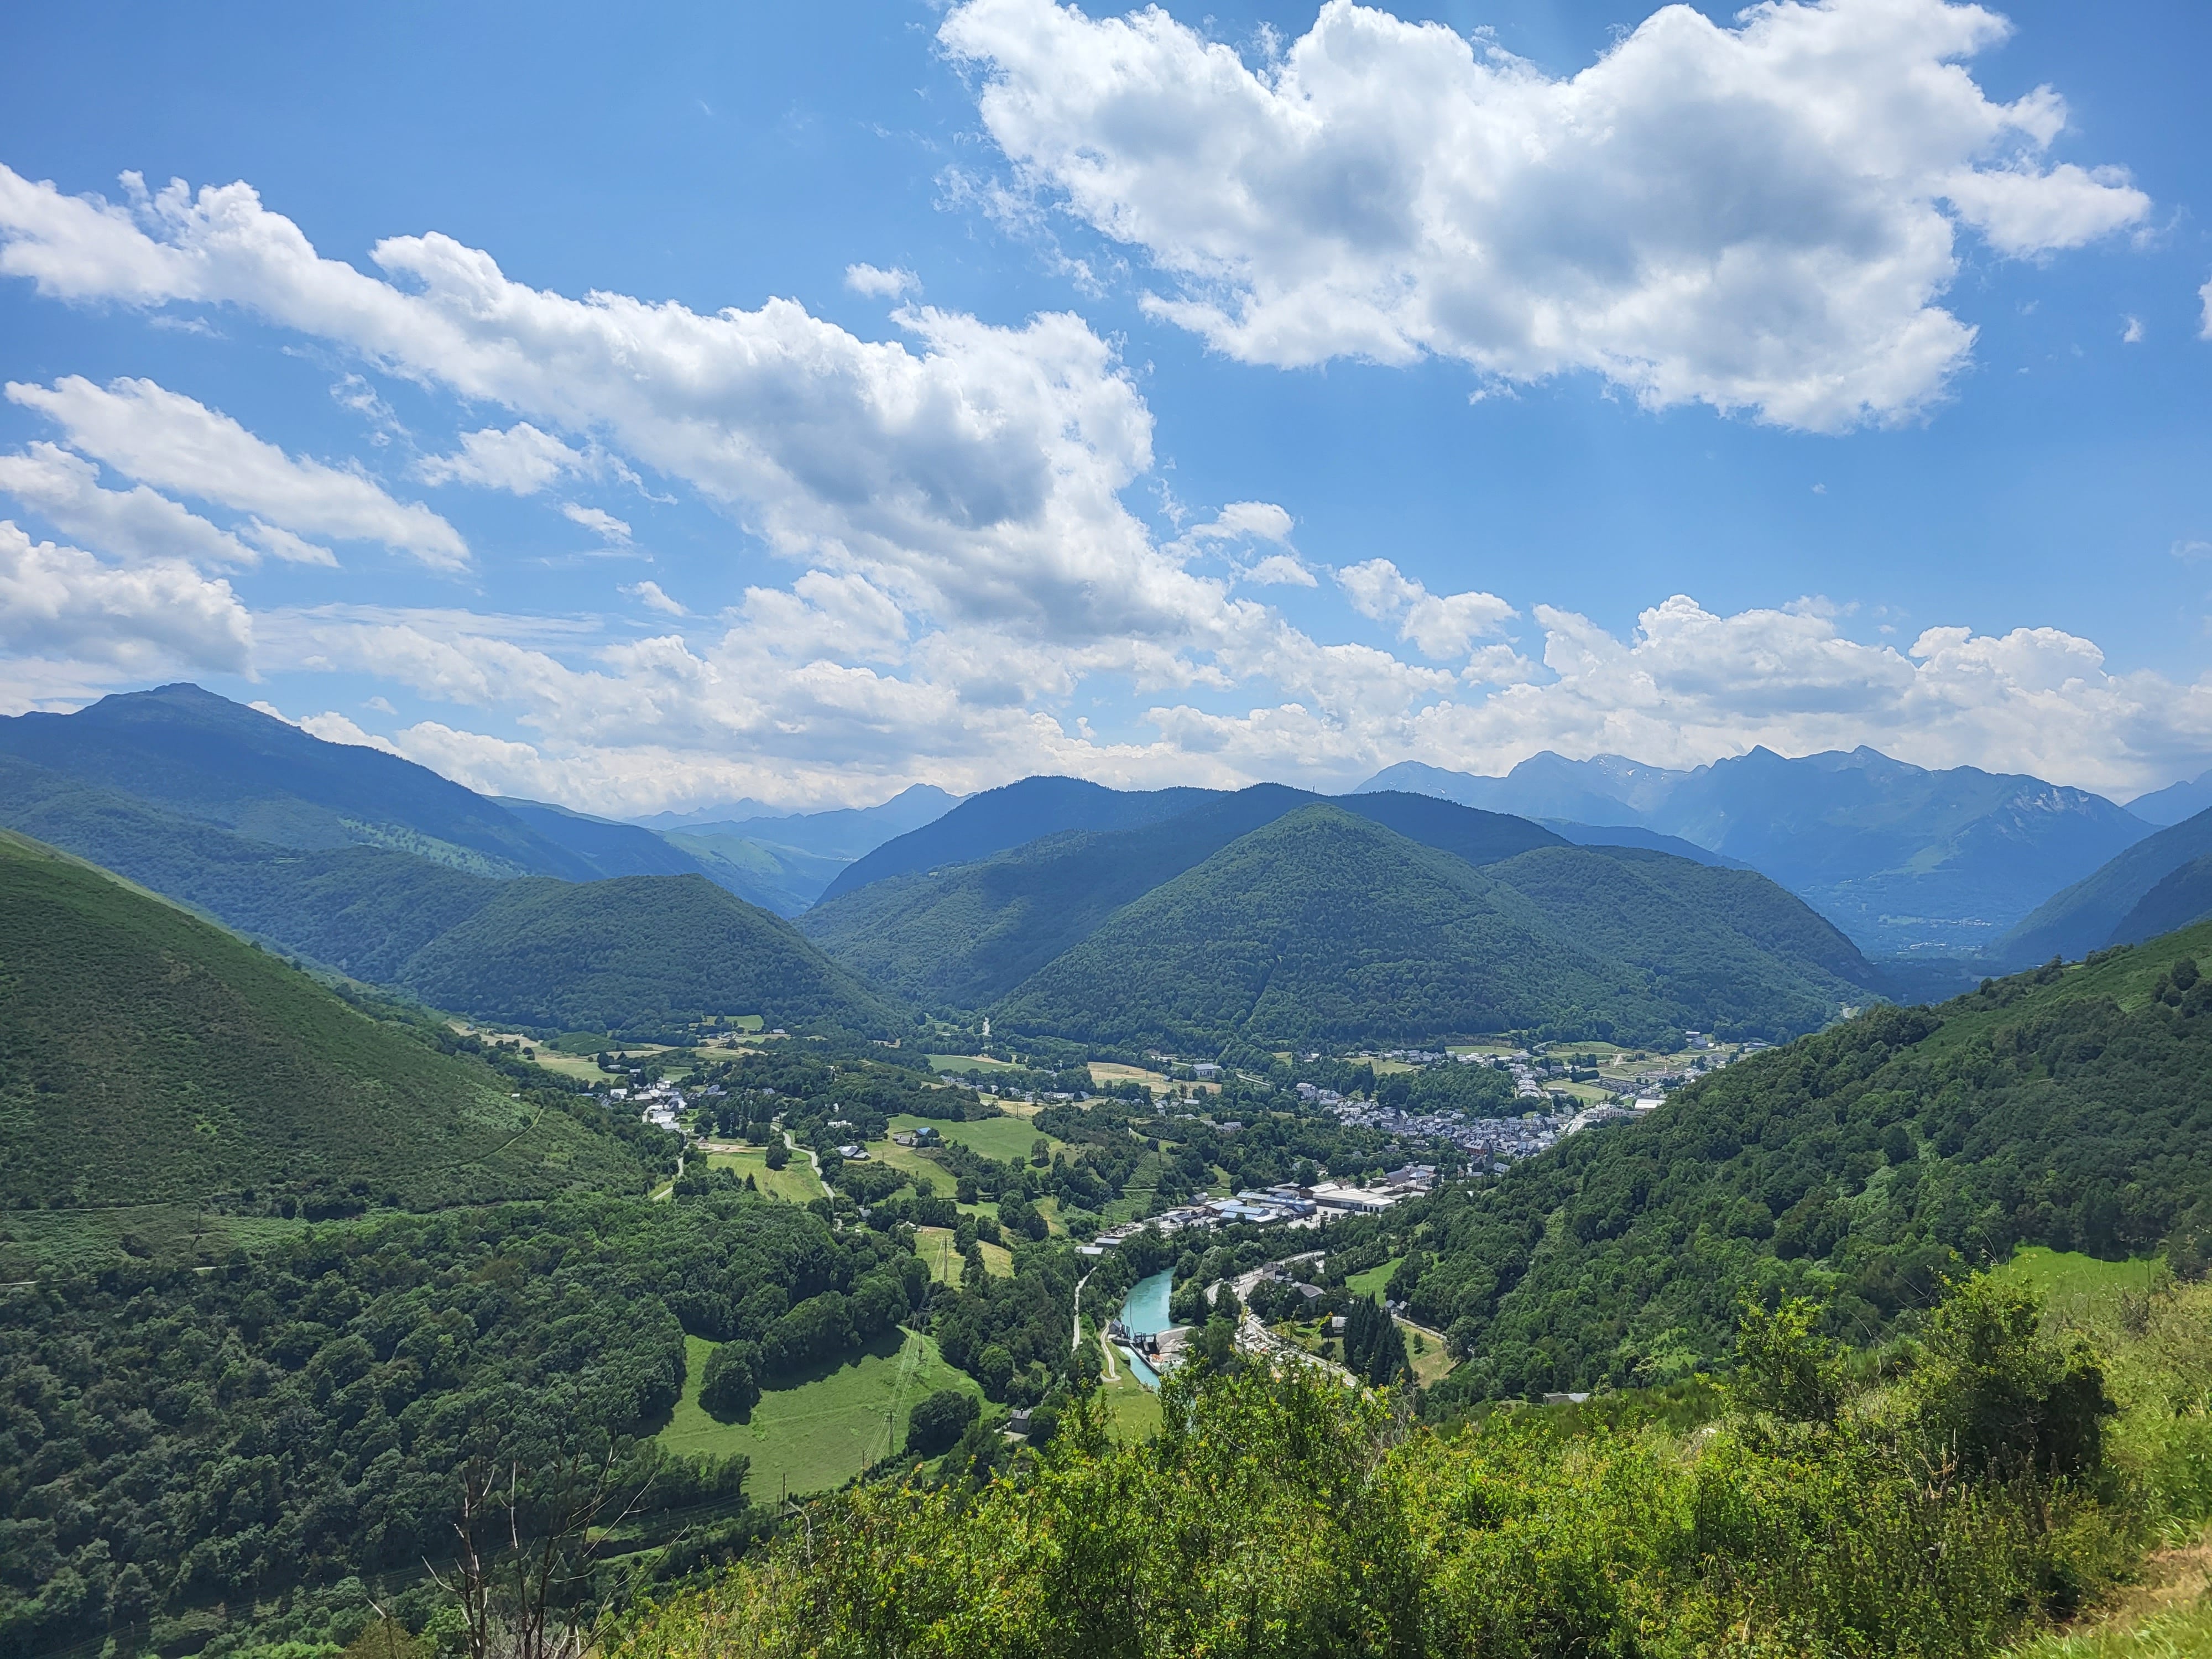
x=1286, y=1516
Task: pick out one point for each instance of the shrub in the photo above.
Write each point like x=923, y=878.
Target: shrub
x=728, y=1388
x=938, y=1421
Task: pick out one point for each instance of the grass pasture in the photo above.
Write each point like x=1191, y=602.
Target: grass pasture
x=1371, y=1282
x=2068, y=1281
x=1001, y=1137
x=913, y=1163
x=821, y=1434
x=794, y=1181
x=1132, y=1411
x=1433, y=1361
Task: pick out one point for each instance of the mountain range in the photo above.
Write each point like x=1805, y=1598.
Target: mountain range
x=1067, y=908
x=1901, y=858
x=1269, y=915
x=366, y=864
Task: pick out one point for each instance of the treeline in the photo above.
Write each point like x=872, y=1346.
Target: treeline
x=175, y=1443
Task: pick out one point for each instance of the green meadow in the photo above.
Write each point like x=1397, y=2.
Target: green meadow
x=821, y=1434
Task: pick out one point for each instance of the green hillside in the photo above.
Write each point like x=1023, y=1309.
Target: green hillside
x=2068, y=1108
x=146, y=1056
x=1741, y=953
x=610, y=956
x=362, y=910
x=1325, y=928
x=633, y=953
x=2184, y=896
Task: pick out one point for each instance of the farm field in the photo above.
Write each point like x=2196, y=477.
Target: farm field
x=1590, y=1094
x=582, y=1067
x=822, y=1433
x=935, y=1246
x=1001, y=1137
x=794, y=1181
x=1103, y=1072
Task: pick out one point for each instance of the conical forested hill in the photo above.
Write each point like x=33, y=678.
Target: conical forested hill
x=1323, y=927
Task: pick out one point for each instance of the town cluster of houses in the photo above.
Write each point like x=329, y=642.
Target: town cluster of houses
x=1285, y=1204
x=661, y=1103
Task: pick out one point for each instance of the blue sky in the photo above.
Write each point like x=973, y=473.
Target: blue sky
x=1243, y=394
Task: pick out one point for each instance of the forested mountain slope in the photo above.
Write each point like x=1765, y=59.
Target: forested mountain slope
x=1324, y=926
x=962, y=936
x=605, y=955
x=635, y=953
x=607, y=847
x=2071, y=1108
x=2091, y=914
x=2184, y=896
x=242, y=1449
x=362, y=910
x=203, y=757
x=148, y=1056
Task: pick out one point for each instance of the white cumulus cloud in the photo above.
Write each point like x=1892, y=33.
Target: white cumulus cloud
x=881, y=284
x=521, y=460
x=61, y=602
x=972, y=470
x=127, y=524
x=1761, y=217
x=1440, y=625
x=601, y=523
x=174, y=442
x=1280, y=570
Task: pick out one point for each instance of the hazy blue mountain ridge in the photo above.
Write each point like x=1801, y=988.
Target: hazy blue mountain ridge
x=2096, y=910
x=2175, y=802
x=203, y=757
x=1900, y=857
x=844, y=833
